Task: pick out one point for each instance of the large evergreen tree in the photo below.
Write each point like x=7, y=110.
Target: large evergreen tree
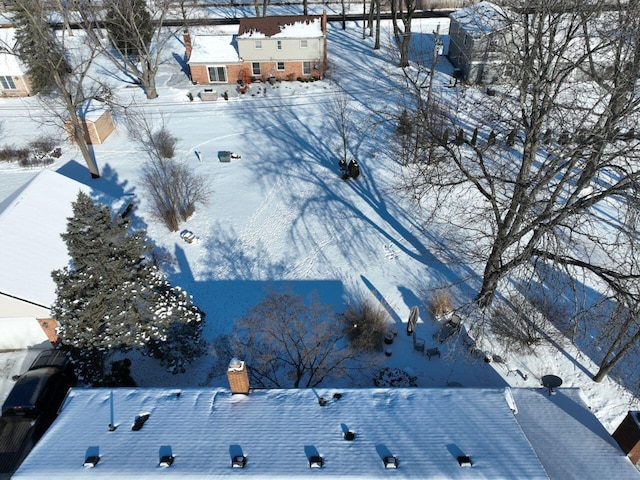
x=129, y=25
x=62, y=79
x=38, y=48
x=112, y=299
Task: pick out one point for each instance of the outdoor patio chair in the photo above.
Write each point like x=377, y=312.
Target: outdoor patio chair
x=418, y=343
x=446, y=331
x=432, y=352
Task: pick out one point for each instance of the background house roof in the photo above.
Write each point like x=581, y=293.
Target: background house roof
x=10, y=65
x=481, y=19
x=277, y=430
x=291, y=26
x=214, y=49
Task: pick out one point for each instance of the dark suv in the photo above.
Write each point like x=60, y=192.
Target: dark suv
x=32, y=406
x=41, y=390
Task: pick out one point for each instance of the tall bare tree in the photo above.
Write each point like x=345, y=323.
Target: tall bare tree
x=60, y=75
x=135, y=36
x=544, y=156
x=290, y=341
x=402, y=12
x=174, y=190
x=340, y=114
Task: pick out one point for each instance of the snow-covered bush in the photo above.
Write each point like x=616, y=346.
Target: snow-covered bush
x=394, y=377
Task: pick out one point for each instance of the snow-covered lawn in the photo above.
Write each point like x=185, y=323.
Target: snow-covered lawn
x=281, y=216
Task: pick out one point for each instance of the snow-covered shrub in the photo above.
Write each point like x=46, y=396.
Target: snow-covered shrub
x=12, y=154
x=394, y=377
x=365, y=323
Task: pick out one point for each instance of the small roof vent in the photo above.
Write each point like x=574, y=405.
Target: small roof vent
x=322, y=402
x=315, y=461
x=390, y=461
x=238, y=461
x=465, y=461
x=139, y=421
x=349, y=435
x=91, y=457
x=166, y=460
x=91, y=461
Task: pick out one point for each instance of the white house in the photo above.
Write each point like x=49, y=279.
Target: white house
x=280, y=47
x=14, y=81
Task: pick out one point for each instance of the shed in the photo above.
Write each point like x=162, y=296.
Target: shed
x=97, y=122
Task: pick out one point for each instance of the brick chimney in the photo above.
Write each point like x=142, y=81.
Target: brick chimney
x=187, y=43
x=238, y=376
x=628, y=436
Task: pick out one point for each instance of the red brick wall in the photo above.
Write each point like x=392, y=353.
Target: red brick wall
x=200, y=75
x=292, y=71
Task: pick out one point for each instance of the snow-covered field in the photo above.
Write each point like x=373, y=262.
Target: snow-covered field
x=282, y=217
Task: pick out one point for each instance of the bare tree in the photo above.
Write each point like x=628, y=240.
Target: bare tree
x=341, y=117
x=290, y=341
x=59, y=75
x=403, y=11
x=540, y=159
x=135, y=36
x=620, y=334
x=174, y=189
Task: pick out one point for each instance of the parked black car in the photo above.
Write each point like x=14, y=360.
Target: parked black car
x=32, y=406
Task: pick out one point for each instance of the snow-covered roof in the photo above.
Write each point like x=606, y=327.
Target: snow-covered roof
x=17, y=333
x=278, y=430
x=214, y=49
x=31, y=221
x=587, y=450
x=481, y=19
x=10, y=65
x=299, y=26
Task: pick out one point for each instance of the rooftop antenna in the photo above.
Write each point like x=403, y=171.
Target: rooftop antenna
x=112, y=426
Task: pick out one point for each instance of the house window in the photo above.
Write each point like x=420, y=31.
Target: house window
x=7, y=83
x=217, y=74
x=280, y=65
x=306, y=68
x=303, y=43
x=257, y=44
x=255, y=68
x=279, y=44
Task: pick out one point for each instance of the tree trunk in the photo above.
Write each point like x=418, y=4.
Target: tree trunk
x=491, y=276
x=377, y=42
x=148, y=80
x=78, y=130
x=610, y=359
